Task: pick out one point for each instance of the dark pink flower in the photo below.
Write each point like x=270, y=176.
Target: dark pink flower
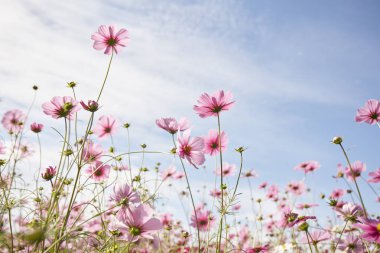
x=92, y=152
x=172, y=126
x=357, y=168
x=49, y=173
x=107, y=37
x=212, y=142
x=138, y=222
x=308, y=166
x=337, y=193
x=166, y=219
x=216, y=193
x=61, y=107
x=191, y=148
x=371, y=229
x=375, y=176
x=272, y=192
x=227, y=170
x=13, y=120
x=91, y=106
x=370, y=113
x=106, y=126
x=263, y=185
x=36, y=128
x=212, y=105
x=98, y=171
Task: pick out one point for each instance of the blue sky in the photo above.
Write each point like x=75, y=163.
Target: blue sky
x=298, y=69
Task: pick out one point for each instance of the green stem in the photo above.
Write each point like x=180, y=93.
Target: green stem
x=354, y=178
x=105, y=78
x=221, y=185
x=340, y=236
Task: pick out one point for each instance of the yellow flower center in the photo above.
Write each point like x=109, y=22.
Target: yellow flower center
x=378, y=227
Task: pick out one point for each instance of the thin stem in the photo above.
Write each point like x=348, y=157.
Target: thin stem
x=340, y=236
x=221, y=185
x=308, y=242
x=105, y=78
x=354, y=178
x=10, y=227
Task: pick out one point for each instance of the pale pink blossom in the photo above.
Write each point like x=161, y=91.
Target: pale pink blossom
x=13, y=120
x=250, y=173
x=357, y=168
x=109, y=39
x=306, y=206
x=124, y=195
x=375, y=176
x=98, y=171
x=351, y=244
x=172, y=126
x=227, y=170
x=349, y=212
x=36, y=127
x=204, y=218
x=263, y=185
x=216, y=193
x=191, y=149
x=317, y=236
x=308, y=166
x=2, y=148
x=297, y=188
x=272, y=192
x=212, y=142
x=166, y=219
x=24, y=150
x=168, y=173
x=212, y=105
x=61, y=107
x=337, y=193
x=106, y=126
x=138, y=222
x=370, y=113
x=92, y=152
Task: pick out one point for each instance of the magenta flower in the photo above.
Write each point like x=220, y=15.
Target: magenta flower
x=61, y=107
x=191, y=149
x=91, y=152
x=212, y=105
x=212, y=142
x=49, y=173
x=370, y=113
x=98, y=171
x=124, y=195
x=172, y=126
x=308, y=166
x=138, y=222
x=272, y=192
x=337, y=193
x=216, y=193
x=13, y=120
x=371, y=229
x=375, y=176
x=106, y=126
x=205, y=220
x=357, y=168
x=36, y=128
x=227, y=170
x=91, y=106
x=166, y=219
x=106, y=38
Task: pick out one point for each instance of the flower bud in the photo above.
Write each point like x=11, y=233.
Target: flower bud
x=49, y=173
x=337, y=140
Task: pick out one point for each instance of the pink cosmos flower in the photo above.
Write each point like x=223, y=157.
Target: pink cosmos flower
x=179, y=175
x=290, y=219
x=61, y=107
x=124, y=195
x=191, y=148
x=138, y=222
x=305, y=206
x=250, y=173
x=172, y=126
x=212, y=142
x=351, y=244
x=375, y=176
x=212, y=105
x=243, y=235
x=166, y=219
x=263, y=185
x=92, y=152
x=337, y=193
x=216, y=193
x=371, y=229
x=36, y=128
x=98, y=171
x=227, y=170
x=13, y=120
x=205, y=220
x=308, y=166
x=272, y=192
x=106, y=126
x=91, y=106
x=370, y=113
x=349, y=212
x=106, y=38
x=168, y=173
x=357, y=168
x=317, y=236
x=297, y=188
x=24, y=150
x=49, y=173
